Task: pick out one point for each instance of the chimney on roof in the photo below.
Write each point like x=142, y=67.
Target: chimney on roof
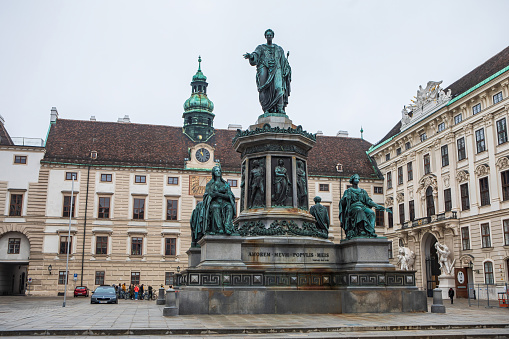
x=124, y=119
x=234, y=127
x=319, y=132
x=92, y=118
x=342, y=134
x=53, y=115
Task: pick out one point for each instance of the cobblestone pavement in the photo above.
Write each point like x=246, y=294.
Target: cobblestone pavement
x=130, y=319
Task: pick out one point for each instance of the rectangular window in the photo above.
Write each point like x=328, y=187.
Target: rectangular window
x=465, y=200
x=135, y=278
x=323, y=187
x=106, y=177
x=423, y=137
x=401, y=213
x=232, y=182
x=168, y=278
x=409, y=171
x=448, y=200
x=71, y=175
x=457, y=119
x=462, y=154
x=171, y=209
x=140, y=179
x=16, y=205
x=170, y=246
x=390, y=249
x=505, y=185
x=441, y=127
x=67, y=210
x=398, y=151
x=400, y=175
x=486, y=236
x=411, y=210
x=136, y=245
x=389, y=216
x=20, y=159
x=99, y=277
x=476, y=109
x=173, y=180
x=104, y=208
x=13, y=247
x=61, y=277
x=378, y=190
x=506, y=232
x=101, y=245
x=139, y=209
x=465, y=238
x=407, y=145
x=379, y=218
x=389, y=180
x=479, y=140
x=64, y=243
x=427, y=164
x=497, y=98
x=485, y=191
x=445, y=155
x=488, y=273
x=387, y=157
x=501, y=131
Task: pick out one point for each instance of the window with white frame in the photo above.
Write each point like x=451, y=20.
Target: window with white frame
x=488, y=273
x=441, y=126
x=485, y=235
x=497, y=98
x=501, y=131
x=476, y=109
x=457, y=119
x=506, y=232
x=480, y=141
x=423, y=137
x=465, y=238
x=462, y=153
x=16, y=205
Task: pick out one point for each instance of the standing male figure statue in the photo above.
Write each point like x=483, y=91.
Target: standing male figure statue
x=321, y=215
x=273, y=75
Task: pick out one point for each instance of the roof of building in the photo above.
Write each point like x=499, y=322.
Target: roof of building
x=5, y=138
x=477, y=75
x=130, y=144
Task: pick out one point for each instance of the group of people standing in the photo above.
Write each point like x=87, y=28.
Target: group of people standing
x=134, y=292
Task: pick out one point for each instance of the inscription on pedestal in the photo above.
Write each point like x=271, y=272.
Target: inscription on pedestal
x=297, y=256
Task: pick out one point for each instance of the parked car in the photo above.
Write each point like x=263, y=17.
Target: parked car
x=104, y=295
x=81, y=290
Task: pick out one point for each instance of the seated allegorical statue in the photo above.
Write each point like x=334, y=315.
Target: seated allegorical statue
x=321, y=215
x=215, y=214
x=355, y=211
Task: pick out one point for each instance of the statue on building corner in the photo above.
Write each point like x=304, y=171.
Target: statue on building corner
x=444, y=260
x=321, y=215
x=355, y=211
x=273, y=75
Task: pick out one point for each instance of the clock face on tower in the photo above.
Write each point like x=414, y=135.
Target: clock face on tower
x=202, y=155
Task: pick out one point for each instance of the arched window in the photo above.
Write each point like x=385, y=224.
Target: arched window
x=430, y=204
x=488, y=273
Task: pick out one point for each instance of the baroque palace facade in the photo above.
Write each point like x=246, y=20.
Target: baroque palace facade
x=134, y=189
x=446, y=170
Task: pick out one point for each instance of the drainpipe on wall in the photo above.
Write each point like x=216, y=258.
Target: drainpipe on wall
x=85, y=226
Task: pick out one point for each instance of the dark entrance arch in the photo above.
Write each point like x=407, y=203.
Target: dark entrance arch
x=431, y=263
x=430, y=203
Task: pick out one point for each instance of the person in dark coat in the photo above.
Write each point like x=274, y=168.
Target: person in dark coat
x=451, y=294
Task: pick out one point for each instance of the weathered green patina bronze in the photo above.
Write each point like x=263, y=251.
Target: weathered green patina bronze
x=321, y=215
x=257, y=184
x=302, y=185
x=282, y=185
x=215, y=214
x=273, y=75
x=355, y=211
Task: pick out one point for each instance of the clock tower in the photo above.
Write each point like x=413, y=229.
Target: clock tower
x=198, y=116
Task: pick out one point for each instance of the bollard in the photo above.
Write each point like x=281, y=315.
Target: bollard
x=172, y=303
x=160, y=297
x=438, y=303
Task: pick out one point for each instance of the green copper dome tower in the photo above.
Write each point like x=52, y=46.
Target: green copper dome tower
x=198, y=116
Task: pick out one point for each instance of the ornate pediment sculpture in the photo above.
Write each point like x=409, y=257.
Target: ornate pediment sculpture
x=503, y=163
x=462, y=176
x=389, y=201
x=482, y=170
x=400, y=197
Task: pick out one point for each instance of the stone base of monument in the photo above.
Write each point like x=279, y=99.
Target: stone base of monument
x=445, y=282
x=296, y=275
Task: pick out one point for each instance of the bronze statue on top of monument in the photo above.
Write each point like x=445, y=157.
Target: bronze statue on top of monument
x=273, y=75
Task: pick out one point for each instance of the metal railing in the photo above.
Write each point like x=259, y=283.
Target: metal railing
x=429, y=220
x=488, y=295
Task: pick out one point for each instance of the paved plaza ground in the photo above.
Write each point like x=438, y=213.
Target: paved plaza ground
x=37, y=317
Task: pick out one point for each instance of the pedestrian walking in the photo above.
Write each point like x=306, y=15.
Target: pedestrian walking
x=141, y=292
x=149, y=292
x=451, y=294
x=136, y=290
x=131, y=292
x=123, y=287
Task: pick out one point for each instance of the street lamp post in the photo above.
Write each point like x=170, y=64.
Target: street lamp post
x=69, y=238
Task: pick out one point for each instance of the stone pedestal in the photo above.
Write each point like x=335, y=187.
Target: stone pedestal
x=221, y=252
x=172, y=303
x=445, y=282
x=160, y=298
x=365, y=254
x=438, y=302
x=193, y=256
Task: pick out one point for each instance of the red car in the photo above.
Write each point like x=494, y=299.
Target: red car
x=81, y=290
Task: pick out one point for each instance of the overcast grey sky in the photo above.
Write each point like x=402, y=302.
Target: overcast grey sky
x=353, y=62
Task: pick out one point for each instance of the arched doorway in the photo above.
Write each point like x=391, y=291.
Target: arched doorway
x=430, y=203
x=432, y=270
x=14, y=254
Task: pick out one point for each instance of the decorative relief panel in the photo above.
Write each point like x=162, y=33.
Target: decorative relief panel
x=462, y=176
x=389, y=201
x=503, y=163
x=482, y=170
x=447, y=180
x=400, y=197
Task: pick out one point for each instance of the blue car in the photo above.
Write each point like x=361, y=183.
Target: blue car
x=104, y=295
